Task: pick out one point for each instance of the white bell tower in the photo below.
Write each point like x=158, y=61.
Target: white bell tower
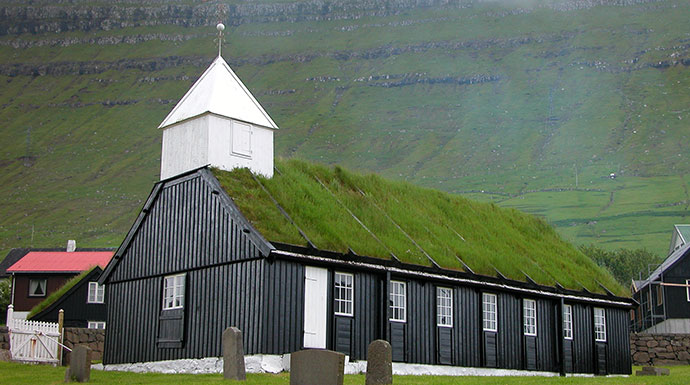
x=217, y=122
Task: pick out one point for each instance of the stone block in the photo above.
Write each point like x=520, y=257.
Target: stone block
x=652, y=343
x=233, y=355
x=317, y=367
x=652, y=371
x=5, y=355
x=80, y=365
x=379, y=363
x=666, y=355
x=683, y=356
x=641, y=357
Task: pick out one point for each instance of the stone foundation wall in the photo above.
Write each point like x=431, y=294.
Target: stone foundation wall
x=93, y=338
x=660, y=349
x=4, y=338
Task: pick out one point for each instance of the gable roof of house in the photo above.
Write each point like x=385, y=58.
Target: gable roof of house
x=60, y=261
x=219, y=91
x=56, y=298
x=336, y=210
x=10, y=259
x=671, y=260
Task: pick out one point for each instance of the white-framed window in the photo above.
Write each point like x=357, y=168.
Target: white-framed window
x=96, y=325
x=241, y=139
x=659, y=295
x=568, y=322
x=173, y=292
x=96, y=293
x=398, y=301
x=37, y=287
x=444, y=307
x=529, y=316
x=687, y=289
x=490, y=312
x=343, y=291
x=599, y=325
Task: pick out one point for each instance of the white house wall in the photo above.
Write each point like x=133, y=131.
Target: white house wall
x=221, y=153
x=185, y=147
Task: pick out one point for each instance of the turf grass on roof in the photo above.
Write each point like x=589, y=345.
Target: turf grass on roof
x=340, y=211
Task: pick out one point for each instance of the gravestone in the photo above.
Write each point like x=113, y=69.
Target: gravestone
x=652, y=371
x=379, y=363
x=80, y=365
x=233, y=355
x=317, y=367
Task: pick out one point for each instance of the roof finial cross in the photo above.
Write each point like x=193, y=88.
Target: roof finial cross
x=220, y=27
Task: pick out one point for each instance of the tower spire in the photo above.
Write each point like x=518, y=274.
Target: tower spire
x=220, y=27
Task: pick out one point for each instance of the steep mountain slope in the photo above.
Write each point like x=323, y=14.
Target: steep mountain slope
x=531, y=104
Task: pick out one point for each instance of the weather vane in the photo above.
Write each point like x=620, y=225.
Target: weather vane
x=220, y=27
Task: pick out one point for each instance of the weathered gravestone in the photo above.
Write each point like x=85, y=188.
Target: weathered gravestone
x=379, y=363
x=317, y=367
x=233, y=355
x=652, y=371
x=80, y=365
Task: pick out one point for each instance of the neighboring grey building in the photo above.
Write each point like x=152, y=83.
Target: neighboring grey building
x=664, y=296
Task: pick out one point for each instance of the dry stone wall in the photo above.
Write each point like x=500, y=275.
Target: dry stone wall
x=93, y=338
x=4, y=338
x=660, y=349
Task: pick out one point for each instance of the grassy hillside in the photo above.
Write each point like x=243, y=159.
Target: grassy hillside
x=371, y=216
x=527, y=104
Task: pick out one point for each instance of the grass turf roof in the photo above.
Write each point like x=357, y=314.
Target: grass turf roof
x=339, y=210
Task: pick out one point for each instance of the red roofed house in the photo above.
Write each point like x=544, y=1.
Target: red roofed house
x=40, y=273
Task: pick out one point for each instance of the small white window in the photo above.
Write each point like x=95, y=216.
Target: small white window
x=599, y=325
x=444, y=307
x=568, y=322
x=529, y=315
x=490, y=312
x=173, y=292
x=96, y=293
x=659, y=295
x=687, y=289
x=96, y=325
x=343, y=291
x=398, y=301
x=241, y=139
x=37, y=287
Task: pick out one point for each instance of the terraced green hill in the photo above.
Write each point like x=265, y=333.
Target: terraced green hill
x=530, y=104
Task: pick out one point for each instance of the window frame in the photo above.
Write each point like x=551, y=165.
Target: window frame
x=687, y=289
x=238, y=132
x=659, y=295
x=444, y=307
x=339, y=289
x=45, y=287
x=401, y=296
x=98, y=293
x=599, y=324
x=96, y=324
x=486, y=310
x=568, y=329
x=529, y=317
x=649, y=300
x=175, y=294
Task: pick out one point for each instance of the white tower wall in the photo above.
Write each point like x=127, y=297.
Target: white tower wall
x=236, y=144
x=185, y=147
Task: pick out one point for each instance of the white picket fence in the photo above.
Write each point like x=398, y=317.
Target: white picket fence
x=33, y=341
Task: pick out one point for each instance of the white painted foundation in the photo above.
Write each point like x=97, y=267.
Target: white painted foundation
x=267, y=363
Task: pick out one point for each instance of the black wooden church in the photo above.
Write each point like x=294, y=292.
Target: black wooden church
x=299, y=256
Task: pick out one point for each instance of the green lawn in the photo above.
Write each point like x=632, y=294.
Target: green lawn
x=12, y=373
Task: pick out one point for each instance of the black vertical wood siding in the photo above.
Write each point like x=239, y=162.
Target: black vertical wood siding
x=617, y=341
x=467, y=327
x=546, y=342
x=421, y=322
x=583, y=339
x=368, y=318
x=187, y=227
x=284, y=304
x=510, y=332
x=217, y=297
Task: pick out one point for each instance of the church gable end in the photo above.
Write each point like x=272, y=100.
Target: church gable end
x=188, y=223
